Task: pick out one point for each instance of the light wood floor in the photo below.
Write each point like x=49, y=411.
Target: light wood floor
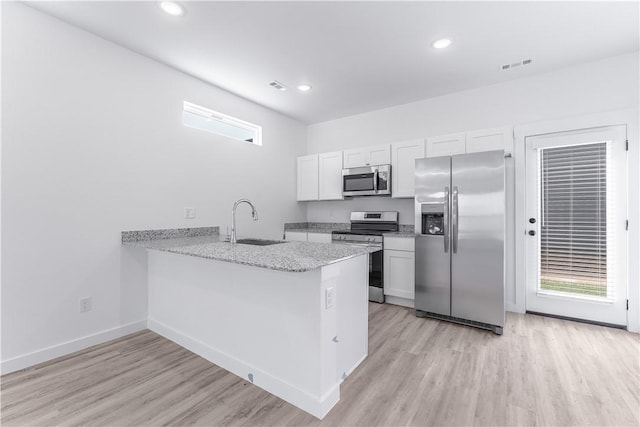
x=419, y=372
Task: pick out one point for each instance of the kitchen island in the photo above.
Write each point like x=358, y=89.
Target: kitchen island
x=291, y=317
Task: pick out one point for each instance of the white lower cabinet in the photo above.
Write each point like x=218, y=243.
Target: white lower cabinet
x=303, y=236
x=399, y=267
x=319, y=237
x=296, y=236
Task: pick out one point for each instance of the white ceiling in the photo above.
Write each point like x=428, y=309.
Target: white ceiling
x=359, y=56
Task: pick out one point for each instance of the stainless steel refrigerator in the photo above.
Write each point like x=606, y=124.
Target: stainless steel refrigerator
x=459, y=226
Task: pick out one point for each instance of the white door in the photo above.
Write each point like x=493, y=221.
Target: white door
x=576, y=229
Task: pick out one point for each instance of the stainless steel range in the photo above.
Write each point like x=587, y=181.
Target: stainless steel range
x=367, y=229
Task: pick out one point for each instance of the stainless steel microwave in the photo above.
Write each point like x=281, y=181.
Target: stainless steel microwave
x=367, y=181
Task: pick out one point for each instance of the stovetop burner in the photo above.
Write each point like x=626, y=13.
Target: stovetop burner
x=368, y=227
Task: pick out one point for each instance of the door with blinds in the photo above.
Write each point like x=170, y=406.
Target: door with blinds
x=576, y=224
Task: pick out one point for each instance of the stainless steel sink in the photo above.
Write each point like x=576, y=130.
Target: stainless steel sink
x=259, y=242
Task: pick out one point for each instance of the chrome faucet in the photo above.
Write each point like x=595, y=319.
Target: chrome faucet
x=254, y=215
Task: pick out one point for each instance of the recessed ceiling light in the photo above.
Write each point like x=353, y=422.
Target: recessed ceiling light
x=441, y=44
x=172, y=8
x=304, y=88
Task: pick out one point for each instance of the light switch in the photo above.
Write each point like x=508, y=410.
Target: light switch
x=189, y=213
x=330, y=297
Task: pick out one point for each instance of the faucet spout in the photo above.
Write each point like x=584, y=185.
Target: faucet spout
x=254, y=215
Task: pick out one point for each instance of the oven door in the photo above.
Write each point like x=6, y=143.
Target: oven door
x=367, y=181
x=376, y=276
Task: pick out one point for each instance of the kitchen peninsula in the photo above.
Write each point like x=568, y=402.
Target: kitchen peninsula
x=290, y=317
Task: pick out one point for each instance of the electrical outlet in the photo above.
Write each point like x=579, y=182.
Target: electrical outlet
x=330, y=298
x=189, y=213
x=85, y=304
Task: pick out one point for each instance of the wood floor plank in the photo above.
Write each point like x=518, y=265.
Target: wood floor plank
x=419, y=372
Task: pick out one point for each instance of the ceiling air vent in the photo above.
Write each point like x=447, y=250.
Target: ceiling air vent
x=515, y=64
x=277, y=85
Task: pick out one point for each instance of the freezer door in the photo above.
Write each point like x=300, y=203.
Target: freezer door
x=433, y=251
x=477, y=234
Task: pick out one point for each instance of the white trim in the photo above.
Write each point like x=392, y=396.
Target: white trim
x=627, y=117
x=68, y=347
x=403, y=302
x=316, y=406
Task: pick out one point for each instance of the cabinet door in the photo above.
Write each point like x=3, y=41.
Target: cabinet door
x=399, y=274
x=354, y=158
x=296, y=236
x=490, y=139
x=319, y=237
x=330, y=176
x=403, y=156
x=367, y=156
x=307, y=178
x=378, y=155
x=446, y=145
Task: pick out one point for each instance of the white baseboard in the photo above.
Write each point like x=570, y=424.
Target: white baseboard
x=318, y=406
x=404, y=302
x=49, y=353
x=515, y=308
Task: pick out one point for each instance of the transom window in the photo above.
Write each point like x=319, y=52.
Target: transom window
x=202, y=118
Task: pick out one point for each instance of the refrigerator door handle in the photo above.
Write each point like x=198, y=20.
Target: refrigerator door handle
x=454, y=221
x=446, y=219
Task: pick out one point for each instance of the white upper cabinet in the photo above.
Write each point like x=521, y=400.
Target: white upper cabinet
x=446, y=145
x=367, y=156
x=471, y=142
x=307, y=178
x=330, y=176
x=403, y=156
x=490, y=139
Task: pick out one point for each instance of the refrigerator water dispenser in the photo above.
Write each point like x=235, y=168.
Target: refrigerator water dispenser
x=433, y=223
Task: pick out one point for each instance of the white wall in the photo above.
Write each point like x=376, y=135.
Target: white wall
x=92, y=145
x=605, y=85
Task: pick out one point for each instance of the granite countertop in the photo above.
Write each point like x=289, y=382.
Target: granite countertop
x=286, y=256
x=315, y=227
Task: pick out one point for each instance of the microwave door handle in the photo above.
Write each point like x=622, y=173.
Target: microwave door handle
x=375, y=180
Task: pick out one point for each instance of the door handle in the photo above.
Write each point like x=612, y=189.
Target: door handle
x=445, y=218
x=532, y=232
x=375, y=181
x=454, y=221
x=532, y=220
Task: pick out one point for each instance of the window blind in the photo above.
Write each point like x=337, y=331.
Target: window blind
x=574, y=257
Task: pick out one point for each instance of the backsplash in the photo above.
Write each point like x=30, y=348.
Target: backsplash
x=338, y=211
